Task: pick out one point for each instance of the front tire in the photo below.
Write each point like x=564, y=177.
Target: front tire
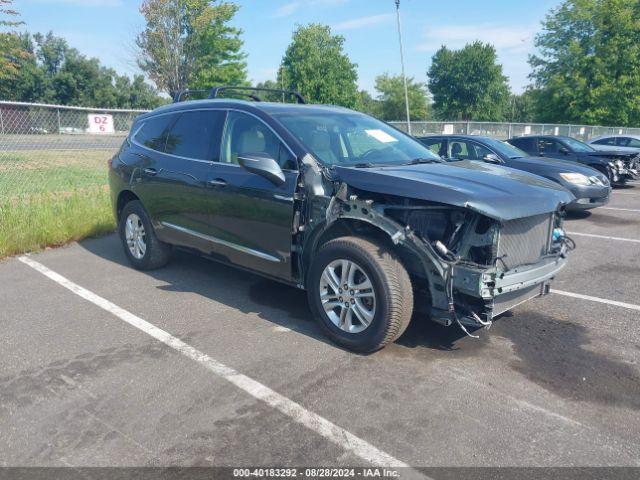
x=360, y=293
x=141, y=246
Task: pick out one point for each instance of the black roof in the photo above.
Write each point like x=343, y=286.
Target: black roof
x=267, y=107
x=455, y=135
x=561, y=137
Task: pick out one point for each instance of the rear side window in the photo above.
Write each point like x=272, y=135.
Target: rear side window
x=606, y=141
x=196, y=135
x=152, y=133
x=628, y=142
x=526, y=144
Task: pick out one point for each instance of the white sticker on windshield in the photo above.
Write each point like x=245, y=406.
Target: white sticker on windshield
x=381, y=136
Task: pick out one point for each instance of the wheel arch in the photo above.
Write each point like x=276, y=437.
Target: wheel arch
x=124, y=197
x=346, y=226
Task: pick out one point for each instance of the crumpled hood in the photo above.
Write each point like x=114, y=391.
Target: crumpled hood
x=498, y=192
x=609, y=154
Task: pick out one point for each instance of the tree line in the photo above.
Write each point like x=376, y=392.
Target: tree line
x=585, y=69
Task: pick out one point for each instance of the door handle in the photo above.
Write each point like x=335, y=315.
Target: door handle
x=217, y=182
x=150, y=171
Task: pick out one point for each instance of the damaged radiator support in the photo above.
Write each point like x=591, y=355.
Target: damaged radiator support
x=352, y=207
x=462, y=290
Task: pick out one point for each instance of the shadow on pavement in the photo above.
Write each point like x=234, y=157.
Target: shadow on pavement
x=277, y=303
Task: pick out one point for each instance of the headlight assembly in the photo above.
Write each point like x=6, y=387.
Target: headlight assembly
x=576, y=178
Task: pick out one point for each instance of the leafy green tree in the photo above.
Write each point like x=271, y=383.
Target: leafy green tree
x=523, y=108
x=392, y=98
x=587, y=67
x=28, y=82
x=11, y=52
x=53, y=72
x=315, y=65
x=189, y=43
x=369, y=105
x=468, y=84
x=272, y=96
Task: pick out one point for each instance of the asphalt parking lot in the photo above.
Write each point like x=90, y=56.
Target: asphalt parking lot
x=85, y=383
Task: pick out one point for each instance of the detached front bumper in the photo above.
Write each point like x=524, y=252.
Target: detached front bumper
x=500, y=291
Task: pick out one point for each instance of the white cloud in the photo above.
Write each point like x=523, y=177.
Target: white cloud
x=287, y=9
x=290, y=8
x=511, y=38
x=362, y=22
x=513, y=44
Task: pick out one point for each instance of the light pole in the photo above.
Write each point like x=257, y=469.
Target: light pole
x=404, y=77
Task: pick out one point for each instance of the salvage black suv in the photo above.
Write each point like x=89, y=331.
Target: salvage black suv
x=365, y=218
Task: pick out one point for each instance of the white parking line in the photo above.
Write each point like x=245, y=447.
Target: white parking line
x=293, y=410
x=621, y=209
x=615, y=303
x=605, y=237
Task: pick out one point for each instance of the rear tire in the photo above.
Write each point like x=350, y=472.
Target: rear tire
x=379, y=313
x=141, y=246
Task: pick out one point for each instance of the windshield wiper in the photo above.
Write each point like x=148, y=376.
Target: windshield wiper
x=364, y=165
x=418, y=161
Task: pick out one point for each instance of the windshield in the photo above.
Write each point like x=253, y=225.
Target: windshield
x=505, y=149
x=353, y=139
x=577, y=145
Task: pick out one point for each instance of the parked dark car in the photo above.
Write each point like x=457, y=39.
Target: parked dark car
x=361, y=215
x=618, y=166
x=590, y=187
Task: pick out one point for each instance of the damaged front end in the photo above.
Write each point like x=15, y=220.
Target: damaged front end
x=466, y=267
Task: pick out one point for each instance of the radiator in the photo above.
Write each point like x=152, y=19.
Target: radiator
x=523, y=241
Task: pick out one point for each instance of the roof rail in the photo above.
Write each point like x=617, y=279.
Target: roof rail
x=245, y=91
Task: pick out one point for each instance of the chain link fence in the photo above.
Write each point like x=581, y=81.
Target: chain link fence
x=53, y=166
x=48, y=148
x=53, y=172
x=503, y=131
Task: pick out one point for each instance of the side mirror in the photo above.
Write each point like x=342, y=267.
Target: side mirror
x=492, y=158
x=263, y=165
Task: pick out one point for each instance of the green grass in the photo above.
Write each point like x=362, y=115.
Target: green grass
x=50, y=198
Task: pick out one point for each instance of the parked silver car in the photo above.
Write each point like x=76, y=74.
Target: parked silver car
x=621, y=143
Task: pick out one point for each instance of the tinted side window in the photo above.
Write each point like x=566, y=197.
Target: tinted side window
x=606, y=141
x=245, y=134
x=549, y=146
x=433, y=144
x=196, y=135
x=526, y=144
x=628, y=142
x=479, y=151
x=152, y=133
x=458, y=149
x=464, y=150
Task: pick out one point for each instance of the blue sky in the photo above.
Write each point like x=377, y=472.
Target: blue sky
x=106, y=29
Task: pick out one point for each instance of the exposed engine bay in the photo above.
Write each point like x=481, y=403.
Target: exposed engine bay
x=467, y=268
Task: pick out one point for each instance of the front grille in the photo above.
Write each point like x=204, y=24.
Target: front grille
x=523, y=241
